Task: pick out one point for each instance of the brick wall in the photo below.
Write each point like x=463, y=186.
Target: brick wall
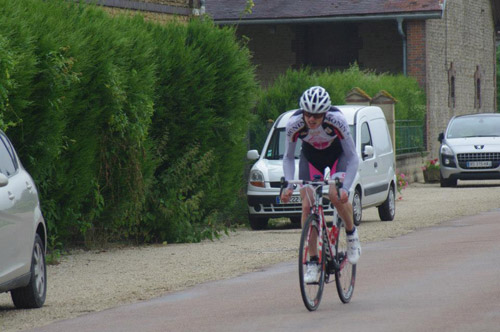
x=149, y=16
x=180, y=3
x=157, y=10
x=465, y=38
x=415, y=48
x=271, y=47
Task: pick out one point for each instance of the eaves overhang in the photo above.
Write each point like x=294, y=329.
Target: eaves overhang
x=332, y=19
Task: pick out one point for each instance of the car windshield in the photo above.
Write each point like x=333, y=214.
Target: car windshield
x=276, y=148
x=474, y=126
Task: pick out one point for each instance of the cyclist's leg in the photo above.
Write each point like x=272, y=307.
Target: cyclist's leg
x=343, y=209
x=306, y=172
x=345, y=212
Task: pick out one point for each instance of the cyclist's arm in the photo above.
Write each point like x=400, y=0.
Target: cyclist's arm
x=289, y=157
x=352, y=161
x=350, y=155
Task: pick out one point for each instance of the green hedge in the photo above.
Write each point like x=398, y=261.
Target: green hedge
x=131, y=130
x=284, y=94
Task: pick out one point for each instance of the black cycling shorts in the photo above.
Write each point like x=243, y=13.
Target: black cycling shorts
x=313, y=161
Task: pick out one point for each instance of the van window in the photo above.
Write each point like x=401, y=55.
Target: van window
x=366, y=137
x=381, y=136
x=276, y=148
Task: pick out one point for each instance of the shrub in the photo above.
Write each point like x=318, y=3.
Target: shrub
x=284, y=94
x=78, y=93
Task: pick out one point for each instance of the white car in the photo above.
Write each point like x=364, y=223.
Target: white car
x=374, y=185
x=470, y=149
x=23, y=234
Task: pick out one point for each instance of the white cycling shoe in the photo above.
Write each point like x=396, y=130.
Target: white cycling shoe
x=353, y=247
x=312, y=273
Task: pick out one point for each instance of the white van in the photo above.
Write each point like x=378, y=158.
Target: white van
x=374, y=185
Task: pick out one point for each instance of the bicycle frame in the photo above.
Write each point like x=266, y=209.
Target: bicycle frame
x=330, y=234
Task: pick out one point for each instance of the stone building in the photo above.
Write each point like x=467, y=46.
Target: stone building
x=449, y=46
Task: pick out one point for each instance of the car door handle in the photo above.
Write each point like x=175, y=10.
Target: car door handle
x=375, y=164
x=28, y=185
x=11, y=196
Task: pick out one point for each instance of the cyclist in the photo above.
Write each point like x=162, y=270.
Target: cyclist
x=326, y=142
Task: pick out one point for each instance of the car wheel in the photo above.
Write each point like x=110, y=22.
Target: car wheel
x=258, y=223
x=357, y=211
x=33, y=295
x=450, y=182
x=387, y=210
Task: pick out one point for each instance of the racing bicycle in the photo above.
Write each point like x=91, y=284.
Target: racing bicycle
x=331, y=245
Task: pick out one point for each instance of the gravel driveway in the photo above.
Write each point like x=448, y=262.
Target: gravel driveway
x=87, y=281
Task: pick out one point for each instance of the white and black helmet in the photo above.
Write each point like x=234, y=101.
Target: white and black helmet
x=315, y=100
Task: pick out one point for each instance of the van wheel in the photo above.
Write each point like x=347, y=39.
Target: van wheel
x=387, y=210
x=33, y=295
x=258, y=223
x=357, y=210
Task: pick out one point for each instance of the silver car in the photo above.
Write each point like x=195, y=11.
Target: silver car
x=470, y=149
x=23, y=235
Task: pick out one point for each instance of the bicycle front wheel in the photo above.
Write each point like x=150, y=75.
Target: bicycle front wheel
x=309, y=241
x=345, y=275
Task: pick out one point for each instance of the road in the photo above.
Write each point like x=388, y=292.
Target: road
x=442, y=278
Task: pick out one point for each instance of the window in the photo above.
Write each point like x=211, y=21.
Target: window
x=382, y=142
x=8, y=162
x=451, y=86
x=477, y=87
x=366, y=137
x=276, y=147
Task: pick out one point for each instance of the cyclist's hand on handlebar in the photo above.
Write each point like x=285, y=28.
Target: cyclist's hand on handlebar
x=344, y=196
x=286, y=195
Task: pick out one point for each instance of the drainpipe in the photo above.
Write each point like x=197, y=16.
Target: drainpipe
x=403, y=36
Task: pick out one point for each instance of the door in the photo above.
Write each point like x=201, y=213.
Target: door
x=16, y=215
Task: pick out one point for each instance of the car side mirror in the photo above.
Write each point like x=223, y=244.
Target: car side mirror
x=4, y=180
x=441, y=137
x=367, y=152
x=252, y=155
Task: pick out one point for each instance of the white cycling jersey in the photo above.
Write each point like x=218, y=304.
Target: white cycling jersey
x=321, y=147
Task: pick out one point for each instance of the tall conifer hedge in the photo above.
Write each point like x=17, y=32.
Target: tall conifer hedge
x=131, y=130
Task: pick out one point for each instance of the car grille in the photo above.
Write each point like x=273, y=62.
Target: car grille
x=494, y=157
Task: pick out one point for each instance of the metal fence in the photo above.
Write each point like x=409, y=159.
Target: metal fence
x=409, y=136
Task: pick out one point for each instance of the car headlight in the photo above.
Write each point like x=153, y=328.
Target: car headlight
x=445, y=149
x=447, y=156
x=257, y=179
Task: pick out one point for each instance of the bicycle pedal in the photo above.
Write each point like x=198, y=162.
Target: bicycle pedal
x=312, y=283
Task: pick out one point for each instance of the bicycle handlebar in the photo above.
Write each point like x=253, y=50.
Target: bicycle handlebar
x=336, y=181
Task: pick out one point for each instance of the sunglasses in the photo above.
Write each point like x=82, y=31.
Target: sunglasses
x=316, y=116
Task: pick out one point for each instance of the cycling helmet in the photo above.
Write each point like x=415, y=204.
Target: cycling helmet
x=315, y=100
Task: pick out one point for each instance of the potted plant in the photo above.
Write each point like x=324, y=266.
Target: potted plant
x=431, y=171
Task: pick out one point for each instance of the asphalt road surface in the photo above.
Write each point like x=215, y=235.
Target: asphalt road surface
x=443, y=278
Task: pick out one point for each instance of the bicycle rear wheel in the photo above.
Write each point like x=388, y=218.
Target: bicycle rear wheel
x=311, y=292
x=345, y=276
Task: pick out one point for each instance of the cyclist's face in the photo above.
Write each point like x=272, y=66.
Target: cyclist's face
x=313, y=121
